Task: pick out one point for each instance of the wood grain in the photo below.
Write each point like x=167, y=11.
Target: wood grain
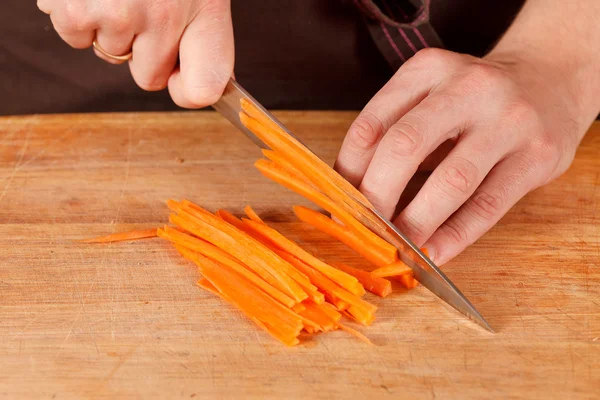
x=125, y=320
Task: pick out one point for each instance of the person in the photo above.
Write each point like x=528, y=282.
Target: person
x=496, y=121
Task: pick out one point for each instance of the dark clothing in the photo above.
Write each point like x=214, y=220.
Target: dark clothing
x=294, y=54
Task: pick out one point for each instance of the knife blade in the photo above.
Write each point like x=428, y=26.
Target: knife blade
x=425, y=271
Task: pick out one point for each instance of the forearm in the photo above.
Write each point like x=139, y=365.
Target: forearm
x=558, y=40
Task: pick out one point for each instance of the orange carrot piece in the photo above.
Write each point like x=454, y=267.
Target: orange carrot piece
x=235, y=221
x=379, y=286
x=258, y=249
x=346, y=281
x=205, y=284
x=238, y=248
x=363, y=310
x=300, y=156
x=395, y=269
x=408, y=281
x=314, y=313
x=250, y=299
x=331, y=311
x=288, y=179
x=355, y=333
x=216, y=254
x=298, y=308
x=123, y=236
x=344, y=235
x=279, y=159
x=252, y=214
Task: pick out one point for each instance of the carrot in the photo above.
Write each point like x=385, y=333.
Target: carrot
x=408, y=281
x=252, y=215
x=205, y=284
x=360, y=309
x=279, y=159
x=241, y=251
x=123, y=236
x=249, y=242
x=252, y=301
x=216, y=254
x=344, y=235
x=395, y=269
x=355, y=333
x=316, y=314
x=298, y=308
x=235, y=221
x=288, y=179
x=301, y=157
x=341, y=278
x=379, y=286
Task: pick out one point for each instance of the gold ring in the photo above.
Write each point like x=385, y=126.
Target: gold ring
x=105, y=53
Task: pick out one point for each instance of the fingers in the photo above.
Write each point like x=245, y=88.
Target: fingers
x=154, y=60
x=507, y=183
x=451, y=184
x=407, y=143
x=116, y=43
x=403, y=92
x=73, y=23
x=206, y=58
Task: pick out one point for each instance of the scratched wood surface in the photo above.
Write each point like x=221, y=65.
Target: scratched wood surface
x=125, y=320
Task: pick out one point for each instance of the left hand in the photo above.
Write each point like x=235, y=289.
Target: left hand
x=514, y=130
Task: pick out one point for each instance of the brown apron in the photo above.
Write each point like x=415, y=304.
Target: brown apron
x=292, y=54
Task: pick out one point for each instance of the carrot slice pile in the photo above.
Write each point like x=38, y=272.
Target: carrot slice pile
x=277, y=284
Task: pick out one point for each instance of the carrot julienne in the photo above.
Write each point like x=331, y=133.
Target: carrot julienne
x=379, y=286
x=252, y=214
x=344, y=235
x=123, y=236
x=341, y=278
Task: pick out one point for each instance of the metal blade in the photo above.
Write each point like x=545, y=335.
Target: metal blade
x=426, y=272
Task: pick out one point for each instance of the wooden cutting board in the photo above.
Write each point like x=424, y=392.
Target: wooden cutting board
x=127, y=320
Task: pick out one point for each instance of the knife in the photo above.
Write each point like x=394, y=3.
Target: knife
x=425, y=271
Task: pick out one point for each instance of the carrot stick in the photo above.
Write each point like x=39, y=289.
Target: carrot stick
x=252, y=215
x=123, y=236
x=379, y=286
x=355, y=333
x=235, y=221
x=238, y=247
x=298, y=308
x=216, y=254
x=363, y=310
x=205, y=284
x=408, y=281
x=344, y=235
x=286, y=178
x=395, y=269
x=346, y=281
x=301, y=157
x=251, y=300
x=314, y=313
x=250, y=243
x=279, y=159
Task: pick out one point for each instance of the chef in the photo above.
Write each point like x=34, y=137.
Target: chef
x=493, y=96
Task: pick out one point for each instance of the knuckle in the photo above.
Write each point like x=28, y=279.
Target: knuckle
x=413, y=228
x=482, y=77
x=406, y=137
x=76, y=18
x=204, y=93
x=366, y=131
x=432, y=56
x=455, y=230
x=459, y=178
x=487, y=206
x=161, y=14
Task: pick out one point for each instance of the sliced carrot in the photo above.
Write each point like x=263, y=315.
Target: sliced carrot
x=379, y=286
x=123, y=236
x=235, y=221
x=408, y=281
x=205, y=284
x=240, y=251
x=251, y=300
x=298, y=308
x=331, y=311
x=395, y=269
x=281, y=175
x=314, y=313
x=216, y=254
x=346, y=281
x=344, y=235
x=252, y=214
x=355, y=333
x=363, y=310
x=300, y=156
x=279, y=159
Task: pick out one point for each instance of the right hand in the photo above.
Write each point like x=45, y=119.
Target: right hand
x=159, y=32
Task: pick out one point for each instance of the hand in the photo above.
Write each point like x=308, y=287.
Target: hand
x=158, y=32
x=513, y=130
